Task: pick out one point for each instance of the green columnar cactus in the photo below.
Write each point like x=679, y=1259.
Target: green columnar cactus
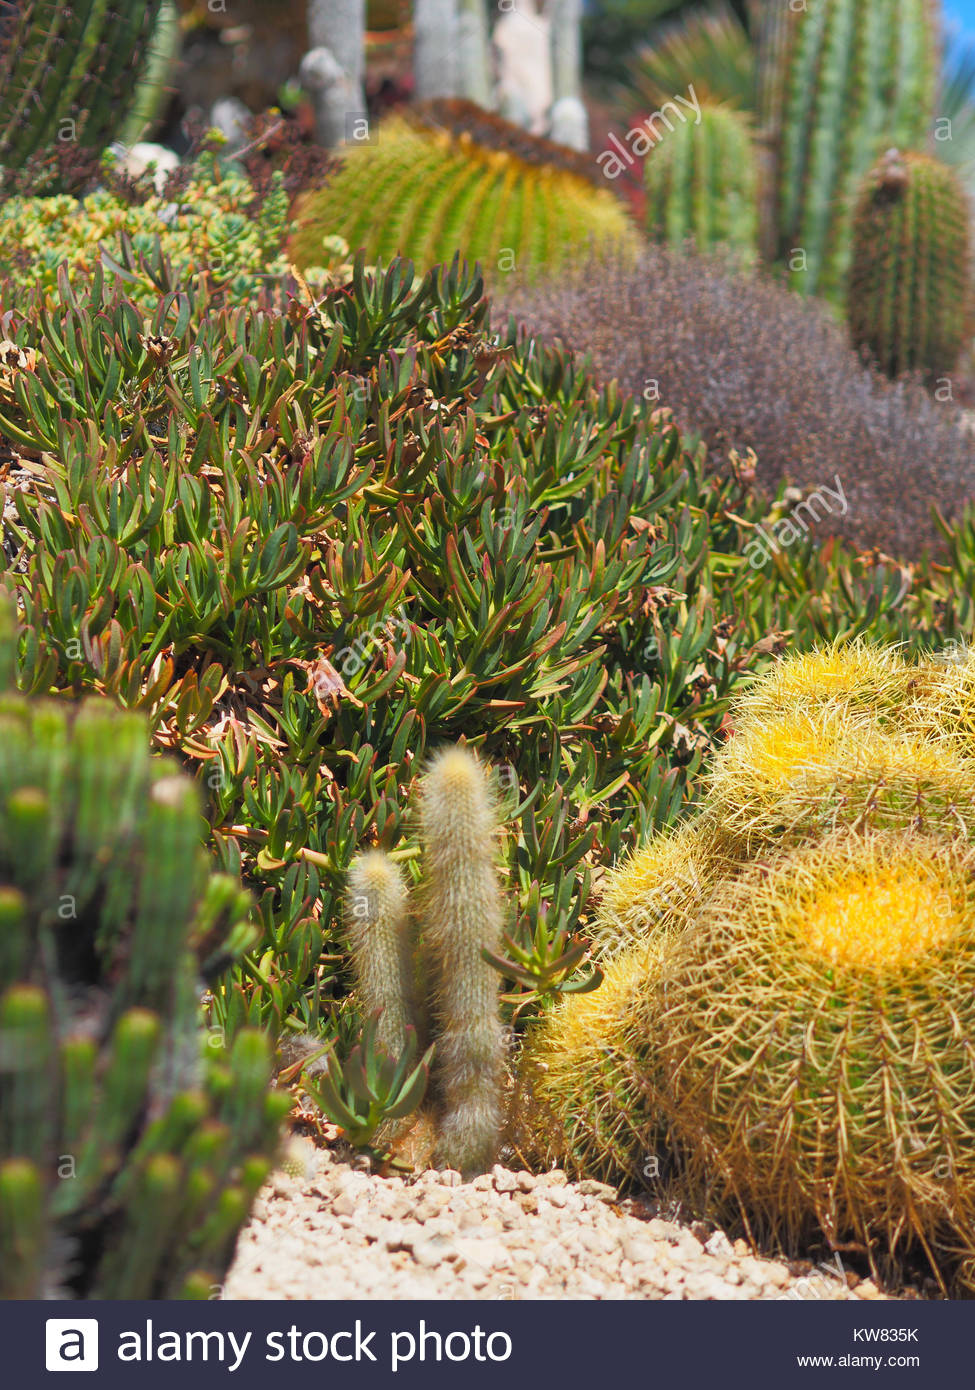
x=909, y=293
x=69, y=73
x=130, y=1150
x=462, y=918
x=859, y=77
x=377, y=921
x=702, y=183
x=770, y=28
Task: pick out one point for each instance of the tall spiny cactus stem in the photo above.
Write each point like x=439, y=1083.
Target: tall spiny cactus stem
x=859, y=77
x=702, y=183
x=70, y=73
x=377, y=922
x=463, y=915
x=770, y=28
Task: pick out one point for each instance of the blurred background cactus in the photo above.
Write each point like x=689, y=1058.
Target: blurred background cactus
x=858, y=79
x=455, y=176
x=132, y=1142
x=702, y=184
x=909, y=299
x=70, y=75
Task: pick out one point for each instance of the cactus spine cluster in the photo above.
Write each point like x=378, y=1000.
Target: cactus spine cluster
x=461, y=915
x=70, y=73
x=130, y=1149
x=858, y=78
x=702, y=183
x=909, y=296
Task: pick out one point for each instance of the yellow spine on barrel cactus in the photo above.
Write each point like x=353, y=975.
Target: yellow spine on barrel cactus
x=815, y=1049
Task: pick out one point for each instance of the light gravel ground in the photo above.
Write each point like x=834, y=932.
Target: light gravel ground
x=337, y=1231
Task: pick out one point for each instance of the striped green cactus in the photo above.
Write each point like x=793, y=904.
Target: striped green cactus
x=909, y=294
x=131, y=1143
x=70, y=74
x=702, y=183
x=858, y=78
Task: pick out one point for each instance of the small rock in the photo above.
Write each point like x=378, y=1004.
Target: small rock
x=555, y=1197
x=431, y=1253
x=525, y=1181
x=776, y=1276
x=868, y=1289
x=504, y=1179
x=590, y=1188
x=553, y=1178
x=344, y=1205
x=451, y=1178
x=718, y=1243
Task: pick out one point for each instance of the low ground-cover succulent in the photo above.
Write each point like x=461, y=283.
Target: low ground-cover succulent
x=213, y=226
x=314, y=539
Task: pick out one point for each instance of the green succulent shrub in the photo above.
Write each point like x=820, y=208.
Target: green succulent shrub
x=702, y=184
x=313, y=541
x=457, y=178
x=909, y=296
x=70, y=74
x=131, y=1141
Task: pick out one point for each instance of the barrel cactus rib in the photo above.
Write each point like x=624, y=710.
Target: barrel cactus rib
x=908, y=298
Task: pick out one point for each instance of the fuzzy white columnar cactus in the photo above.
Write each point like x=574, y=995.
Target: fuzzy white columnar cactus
x=435, y=34
x=463, y=914
x=377, y=923
x=334, y=66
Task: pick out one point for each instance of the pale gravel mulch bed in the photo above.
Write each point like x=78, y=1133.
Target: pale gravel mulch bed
x=339, y=1232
